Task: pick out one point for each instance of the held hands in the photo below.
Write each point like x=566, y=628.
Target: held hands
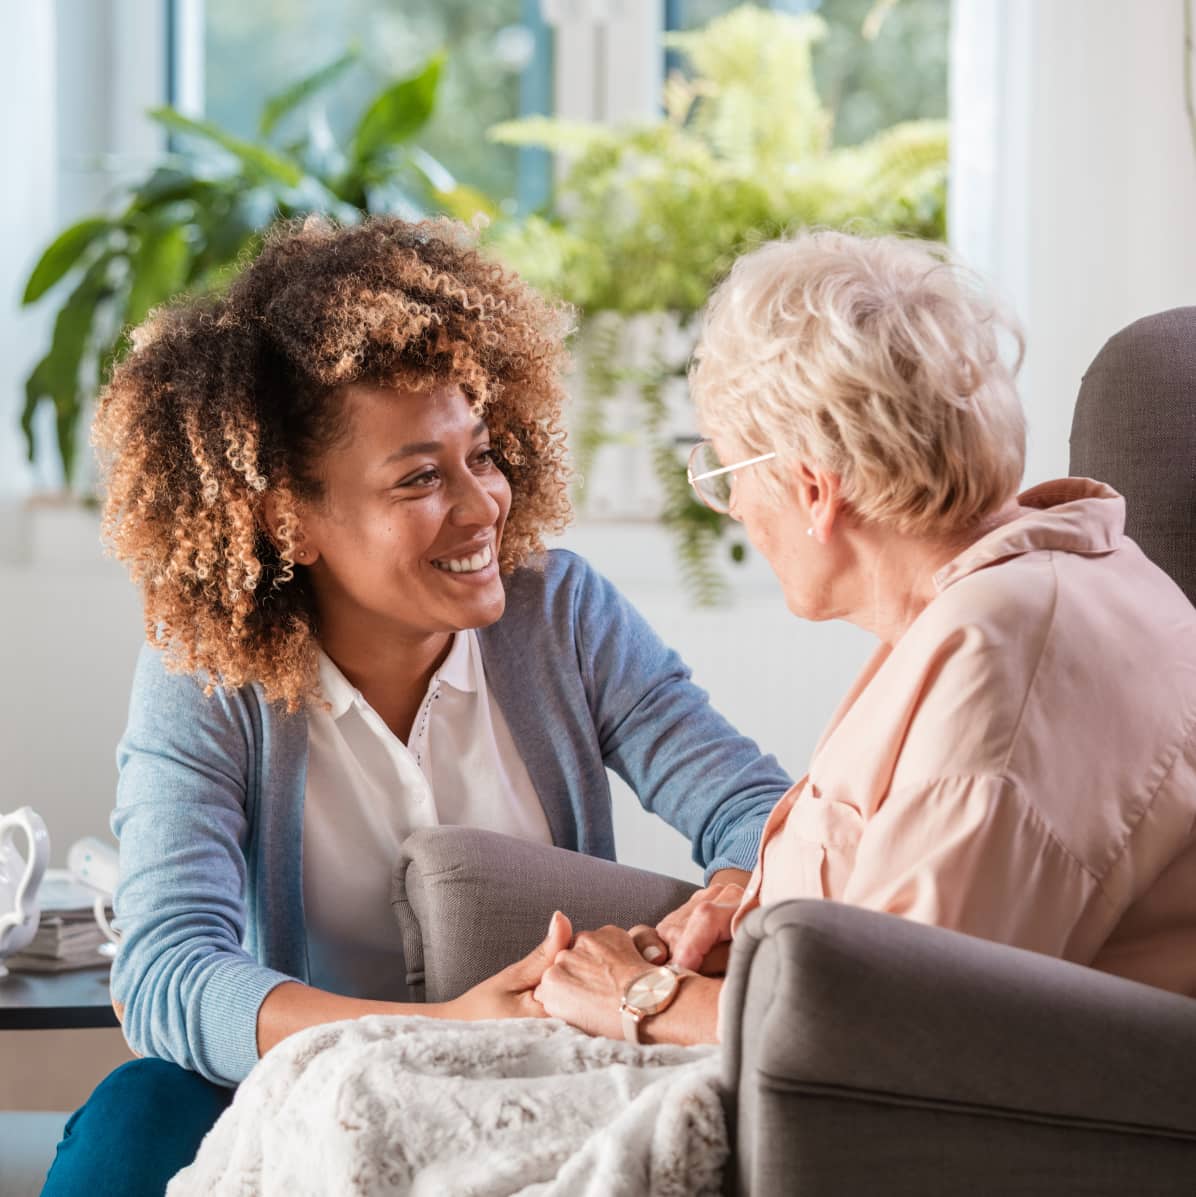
x=585, y=984
x=583, y=981
x=508, y=994
x=581, y=984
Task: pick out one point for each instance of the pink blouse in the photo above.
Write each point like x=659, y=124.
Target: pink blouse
x=1021, y=764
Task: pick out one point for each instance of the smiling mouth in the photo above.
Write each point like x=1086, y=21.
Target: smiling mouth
x=472, y=564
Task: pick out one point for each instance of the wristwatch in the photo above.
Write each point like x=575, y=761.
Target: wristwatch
x=648, y=994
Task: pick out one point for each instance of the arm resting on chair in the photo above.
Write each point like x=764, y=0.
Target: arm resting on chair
x=470, y=902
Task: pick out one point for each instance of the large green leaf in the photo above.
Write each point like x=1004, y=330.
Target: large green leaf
x=157, y=269
x=224, y=227
x=72, y=329
x=169, y=185
x=56, y=376
x=67, y=412
x=257, y=160
x=36, y=389
x=277, y=106
x=226, y=237
x=399, y=113
x=63, y=252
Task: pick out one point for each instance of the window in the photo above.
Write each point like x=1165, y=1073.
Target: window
x=498, y=67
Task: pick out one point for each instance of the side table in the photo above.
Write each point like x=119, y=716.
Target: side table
x=56, y=1001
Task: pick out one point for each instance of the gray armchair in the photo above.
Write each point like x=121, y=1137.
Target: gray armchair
x=864, y=1053
x=1134, y=427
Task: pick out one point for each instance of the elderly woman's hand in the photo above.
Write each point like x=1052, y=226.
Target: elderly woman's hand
x=698, y=934
x=586, y=983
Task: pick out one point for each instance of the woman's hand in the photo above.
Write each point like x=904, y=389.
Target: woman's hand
x=698, y=934
x=292, y=1006
x=586, y=983
x=508, y=994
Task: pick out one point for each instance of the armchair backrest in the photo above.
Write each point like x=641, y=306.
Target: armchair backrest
x=1134, y=427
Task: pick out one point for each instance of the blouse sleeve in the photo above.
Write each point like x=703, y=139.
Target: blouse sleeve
x=969, y=854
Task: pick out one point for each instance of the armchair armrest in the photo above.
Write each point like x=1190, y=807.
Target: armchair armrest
x=470, y=902
x=867, y=1053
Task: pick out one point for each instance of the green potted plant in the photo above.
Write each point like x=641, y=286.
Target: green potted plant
x=647, y=218
x=186, y=225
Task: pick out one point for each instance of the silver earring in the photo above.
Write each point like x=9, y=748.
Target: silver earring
x=810, y=531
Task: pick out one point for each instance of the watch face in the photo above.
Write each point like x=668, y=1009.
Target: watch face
x=648, y=992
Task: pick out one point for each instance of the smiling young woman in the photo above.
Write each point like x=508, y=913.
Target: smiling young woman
x=404, y=549
x=332, y=486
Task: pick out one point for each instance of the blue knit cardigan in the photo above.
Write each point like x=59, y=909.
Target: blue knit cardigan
x=209, y=809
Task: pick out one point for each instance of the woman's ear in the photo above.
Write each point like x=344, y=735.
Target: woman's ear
x=283, y=526
x=820, y=494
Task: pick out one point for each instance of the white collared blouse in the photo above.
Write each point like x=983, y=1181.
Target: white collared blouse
x=366, y=791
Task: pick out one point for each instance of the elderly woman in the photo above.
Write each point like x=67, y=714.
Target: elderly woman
x=1018, y=759
x=332, y=486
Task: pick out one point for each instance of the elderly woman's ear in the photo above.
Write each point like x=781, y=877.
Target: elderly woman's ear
x=820, y=496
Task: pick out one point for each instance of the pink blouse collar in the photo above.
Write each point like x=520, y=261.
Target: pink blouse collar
x=1074, y=515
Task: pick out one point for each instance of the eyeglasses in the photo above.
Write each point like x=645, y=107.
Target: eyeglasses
x=711, y=479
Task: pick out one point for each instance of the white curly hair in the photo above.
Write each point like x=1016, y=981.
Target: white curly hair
x=879, y=359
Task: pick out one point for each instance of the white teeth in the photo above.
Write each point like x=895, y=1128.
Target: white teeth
x=466, y=565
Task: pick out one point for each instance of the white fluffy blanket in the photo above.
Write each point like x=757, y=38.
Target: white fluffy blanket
x=386, y=1105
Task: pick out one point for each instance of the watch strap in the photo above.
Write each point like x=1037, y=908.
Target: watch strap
x=631, y=1023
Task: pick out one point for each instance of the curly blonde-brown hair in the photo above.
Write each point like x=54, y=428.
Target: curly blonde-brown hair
x=225, y=404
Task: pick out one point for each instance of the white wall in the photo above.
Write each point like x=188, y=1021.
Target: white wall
x=1074, y=180
x=607, y=61
x=110, y=66
x=70, y=626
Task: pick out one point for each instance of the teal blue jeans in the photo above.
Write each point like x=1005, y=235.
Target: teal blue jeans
x=143, y=1123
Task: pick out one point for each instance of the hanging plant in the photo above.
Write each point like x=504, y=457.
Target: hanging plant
x=647, y=218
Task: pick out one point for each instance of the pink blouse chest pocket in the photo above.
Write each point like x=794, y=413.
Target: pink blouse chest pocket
x=814, y=853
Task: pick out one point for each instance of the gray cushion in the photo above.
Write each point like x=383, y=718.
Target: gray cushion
x=470, y=902
x=953, y=1061
x=1134, y=427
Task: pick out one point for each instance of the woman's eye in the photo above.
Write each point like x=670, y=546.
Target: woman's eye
x=487, y=459
x=424, y=478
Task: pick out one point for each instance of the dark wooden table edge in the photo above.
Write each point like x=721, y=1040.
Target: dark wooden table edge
x=72, y=1018
x=74, y=1000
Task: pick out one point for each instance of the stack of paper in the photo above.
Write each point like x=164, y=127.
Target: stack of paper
x=68, y=935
